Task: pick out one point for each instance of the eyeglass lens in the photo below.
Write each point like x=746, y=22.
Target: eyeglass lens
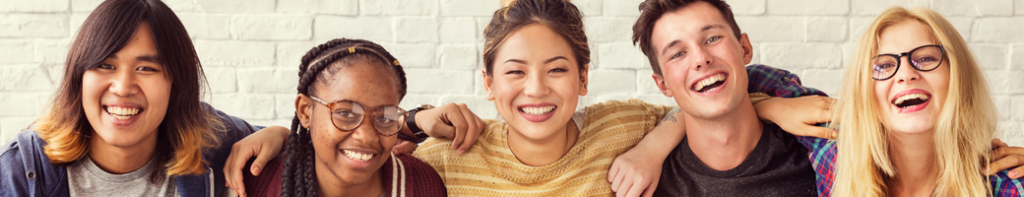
x=348, y=116
x=925, y=58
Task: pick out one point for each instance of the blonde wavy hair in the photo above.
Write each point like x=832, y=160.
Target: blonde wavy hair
x=962, y=133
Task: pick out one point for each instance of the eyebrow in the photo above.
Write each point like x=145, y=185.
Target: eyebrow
x=702, y=30
x=145, y=58
x=519, y=61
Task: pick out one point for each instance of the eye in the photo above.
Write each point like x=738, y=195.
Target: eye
x=146, y=68
x=712, y=39
x=558, y=70
x=515, y=72
x=106, y=66
x=926, y=59
x=883, y=66
x=677, y=55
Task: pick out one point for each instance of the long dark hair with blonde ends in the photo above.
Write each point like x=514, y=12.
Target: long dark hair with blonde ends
x=318, y=66
x=561, y=16
x=186, y=130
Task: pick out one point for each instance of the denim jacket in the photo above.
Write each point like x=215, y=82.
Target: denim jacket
x=25, y=170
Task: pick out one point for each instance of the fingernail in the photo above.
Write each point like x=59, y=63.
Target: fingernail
x=1013, y=174
x=986, y=171
x=255, y=171
x=461, y=151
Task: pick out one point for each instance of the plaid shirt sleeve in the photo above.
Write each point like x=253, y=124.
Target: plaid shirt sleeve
x=781, y=83
x=1004, y=186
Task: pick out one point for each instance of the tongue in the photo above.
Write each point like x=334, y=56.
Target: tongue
x=910, y=102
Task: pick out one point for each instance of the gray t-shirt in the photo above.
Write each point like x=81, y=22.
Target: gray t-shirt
x=87, y=179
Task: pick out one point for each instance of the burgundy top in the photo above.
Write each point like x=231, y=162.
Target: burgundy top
x=411, y=177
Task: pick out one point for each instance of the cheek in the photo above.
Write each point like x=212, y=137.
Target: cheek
x=882, y=92
x=92, y=90
x=388, y=143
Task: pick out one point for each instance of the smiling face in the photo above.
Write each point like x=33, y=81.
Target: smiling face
x=536, y=82
x=351, y=157
x=911, y=100
x=702, y=63
x=125, y=98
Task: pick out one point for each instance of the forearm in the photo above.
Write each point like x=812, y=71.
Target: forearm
x=664, y=137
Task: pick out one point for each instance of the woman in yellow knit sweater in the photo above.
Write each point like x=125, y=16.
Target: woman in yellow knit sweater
x=536, y=57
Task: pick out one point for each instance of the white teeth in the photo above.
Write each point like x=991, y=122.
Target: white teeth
x=537, y=110
x=903, y=98
x=362, y=157
x=122, y=113
x=708, y=81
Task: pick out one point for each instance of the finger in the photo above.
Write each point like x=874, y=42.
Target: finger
x=459, y=122
x=996, y=143
x=1004, y=163
x=623, y=188
x=264, y=157
x=649, y=191
x=815, y=131
x=635, y=189
x=614, y=170
x=1015, y=173
x=472, y=131
x=617, y=182
x=236, y=163
x=1001, y=152
x=404, y=146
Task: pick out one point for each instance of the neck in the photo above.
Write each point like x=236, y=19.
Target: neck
x=543, y=151
x=724, y=142
x=329, y=185
x=913, y=157
x=120, y=160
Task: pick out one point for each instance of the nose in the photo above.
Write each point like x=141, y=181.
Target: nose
x=701, y=59
x=536, y=86
x=906, y=72
x=124, y=83
x=366, y=132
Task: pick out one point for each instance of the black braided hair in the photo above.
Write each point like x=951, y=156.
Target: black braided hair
x=298, y=178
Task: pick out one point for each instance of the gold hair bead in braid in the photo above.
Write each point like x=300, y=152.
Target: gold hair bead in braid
x=352, y=49
x=396, y=63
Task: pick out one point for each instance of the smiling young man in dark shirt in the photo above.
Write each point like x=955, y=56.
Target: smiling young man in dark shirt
x=699, y=58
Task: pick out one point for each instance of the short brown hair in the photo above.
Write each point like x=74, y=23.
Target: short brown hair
x=560, y=15
x=652, y=10
x=186, y=130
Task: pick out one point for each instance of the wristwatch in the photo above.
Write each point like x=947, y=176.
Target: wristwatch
x=411, y=122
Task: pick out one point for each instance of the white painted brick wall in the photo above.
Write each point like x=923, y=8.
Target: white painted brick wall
x=251, y=48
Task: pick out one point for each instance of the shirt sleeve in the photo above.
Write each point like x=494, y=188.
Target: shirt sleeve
x=776, y=82
x=1004, y=186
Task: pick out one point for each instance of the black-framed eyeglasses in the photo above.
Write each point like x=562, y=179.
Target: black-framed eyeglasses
x=348, y=115
x=923, y=58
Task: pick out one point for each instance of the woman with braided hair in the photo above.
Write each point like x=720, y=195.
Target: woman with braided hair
x=346, y=124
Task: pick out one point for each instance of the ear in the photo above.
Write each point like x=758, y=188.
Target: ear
x=584, y=79
x=487, y=85
x=660, y=82
x=748, y=50
x=303, y=109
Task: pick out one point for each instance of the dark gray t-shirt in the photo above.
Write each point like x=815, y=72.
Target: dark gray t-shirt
x=778, y=166
x=87, y=179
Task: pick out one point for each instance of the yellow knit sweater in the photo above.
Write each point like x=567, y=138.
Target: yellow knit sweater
x=490, y=169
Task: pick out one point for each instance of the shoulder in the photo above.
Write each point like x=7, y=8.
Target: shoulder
x=633, y=108
x=268, y=183
x=1003, y=185
x=415, y=177
x=23, y=160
